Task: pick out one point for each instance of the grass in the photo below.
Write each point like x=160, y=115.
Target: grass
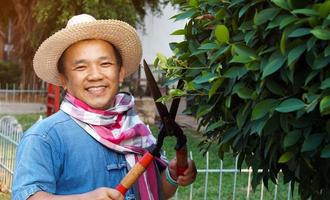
x=4, y=196
x=200, y=160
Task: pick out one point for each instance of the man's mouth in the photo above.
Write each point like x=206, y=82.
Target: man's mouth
x=96, y=90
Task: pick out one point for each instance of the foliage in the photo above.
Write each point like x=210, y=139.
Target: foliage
x=9, y=73
x=256, y=75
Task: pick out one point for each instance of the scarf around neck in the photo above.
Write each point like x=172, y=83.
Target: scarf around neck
x=118, y=128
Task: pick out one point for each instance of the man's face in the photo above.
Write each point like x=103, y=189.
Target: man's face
x=91, y=73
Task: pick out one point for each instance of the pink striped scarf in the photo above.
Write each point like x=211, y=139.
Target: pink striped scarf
x=120, y=129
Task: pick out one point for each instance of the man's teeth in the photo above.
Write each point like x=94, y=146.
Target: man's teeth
x=96, y=89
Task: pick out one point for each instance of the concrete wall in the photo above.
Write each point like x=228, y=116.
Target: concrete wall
x=156, y=37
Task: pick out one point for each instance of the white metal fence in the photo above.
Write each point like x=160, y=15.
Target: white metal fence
x=212, y=183
x=14, y=93
x=10, y=134
x=240, y=187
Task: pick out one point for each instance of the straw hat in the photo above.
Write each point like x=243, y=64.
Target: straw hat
x=80, y=27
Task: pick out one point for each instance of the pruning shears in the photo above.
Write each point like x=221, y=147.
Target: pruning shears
x=168, y=128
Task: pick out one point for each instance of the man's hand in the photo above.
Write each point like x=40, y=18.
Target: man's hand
x=189, y=174
x=103, y=193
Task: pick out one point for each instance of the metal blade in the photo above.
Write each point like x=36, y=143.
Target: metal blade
x=162, y=109
x=176, y=102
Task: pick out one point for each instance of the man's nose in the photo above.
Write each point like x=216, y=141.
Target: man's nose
x=95, y=73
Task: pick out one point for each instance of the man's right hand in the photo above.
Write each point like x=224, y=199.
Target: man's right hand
x=102, y=193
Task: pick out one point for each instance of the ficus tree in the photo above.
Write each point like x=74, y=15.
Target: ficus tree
x=256, y=77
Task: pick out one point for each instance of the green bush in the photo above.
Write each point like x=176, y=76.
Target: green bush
x=10, y=73
x=256, y=75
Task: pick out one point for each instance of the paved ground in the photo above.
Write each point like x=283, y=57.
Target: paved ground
x=31, y=108
x=21, y=108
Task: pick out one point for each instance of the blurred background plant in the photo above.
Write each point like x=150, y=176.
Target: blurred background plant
x=256, y=76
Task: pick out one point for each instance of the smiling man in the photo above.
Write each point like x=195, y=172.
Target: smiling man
x=84, y=150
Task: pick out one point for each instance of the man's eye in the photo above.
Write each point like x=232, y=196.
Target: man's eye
x=106, y=64
x=79, y=67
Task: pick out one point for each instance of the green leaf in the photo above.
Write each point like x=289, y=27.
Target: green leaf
x=325, y=105
x=241, y=59
x=207, y=77
x=275, y=63
x=291, y=138
x=311, y=76
x=311, y=42
x=243, y=10
x=176, y=92
x=235, y=72
x=263, y=107
x=325, y=84
x=229, y=134
x=193, y=3
x=287, y=156
x=218, y=53
x=208, y=46
x=281, y=3
x=327, y=51
x=310, y=107
x=258, y=125
x=221, y=33
x=305, y=11
x=242, y=91
x=214, y=126
x=300, y=32
x=215, y=86
x=203, y=110
x=265, y=15
x=187, y=14
x=321, y=33
x=287, y=20
x=312, y=142
x=295, y=53
x=325, y=153
x=283, y=42
x=179, y=32
x=320, y=62
x=249, y=36
x=242, y=116
x=290, y=105
x=245, y=51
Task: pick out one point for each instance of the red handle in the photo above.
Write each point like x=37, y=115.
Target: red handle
x=134, y=173
x=182, y=162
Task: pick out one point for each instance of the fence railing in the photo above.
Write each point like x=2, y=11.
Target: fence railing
x=13, y=93
x=211, y=183
x=214, y=185
x=10, y=135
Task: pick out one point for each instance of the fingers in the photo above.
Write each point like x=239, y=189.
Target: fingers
x=114, y=194
x=103, y=193
x=189, y=175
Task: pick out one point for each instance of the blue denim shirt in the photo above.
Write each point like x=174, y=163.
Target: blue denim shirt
x=57, y=156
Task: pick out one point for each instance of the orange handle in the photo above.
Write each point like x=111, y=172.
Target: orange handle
x=134, y=173
x=182, y=162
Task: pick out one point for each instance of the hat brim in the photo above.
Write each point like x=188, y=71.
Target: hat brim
x=118, y=33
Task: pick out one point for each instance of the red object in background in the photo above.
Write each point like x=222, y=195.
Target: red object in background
x=53, y=99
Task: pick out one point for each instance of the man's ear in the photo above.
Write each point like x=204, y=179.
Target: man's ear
x=63, y=81
x=122, y=73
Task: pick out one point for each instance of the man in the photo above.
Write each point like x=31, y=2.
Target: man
x=85, y=149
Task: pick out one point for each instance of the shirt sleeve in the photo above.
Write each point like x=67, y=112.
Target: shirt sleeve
x=37, y=167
